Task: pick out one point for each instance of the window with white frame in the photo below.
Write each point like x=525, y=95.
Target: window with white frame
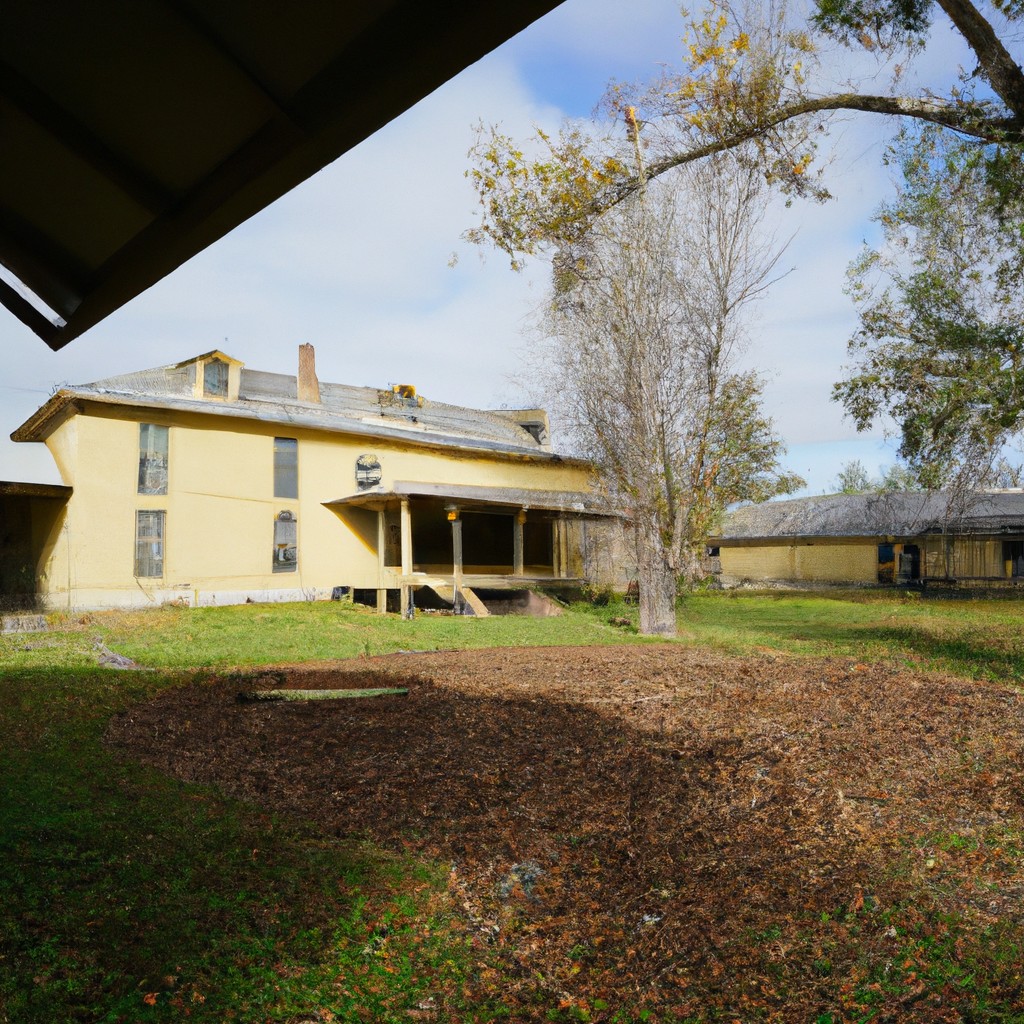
x=286, y=547
x=149, y=543
x=286, y=467
x=153, y=449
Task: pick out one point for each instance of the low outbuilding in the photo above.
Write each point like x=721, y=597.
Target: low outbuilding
x=877, y=538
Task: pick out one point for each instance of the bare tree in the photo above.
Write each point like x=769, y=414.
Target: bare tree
x=642, y=331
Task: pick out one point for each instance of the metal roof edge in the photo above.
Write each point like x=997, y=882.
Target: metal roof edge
x=40, y=425
x=32, y=429
x=19, y=489
x=578, y=502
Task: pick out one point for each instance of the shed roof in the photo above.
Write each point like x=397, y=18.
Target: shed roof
x=136, y=134
x=271, y=398
x=885, y=514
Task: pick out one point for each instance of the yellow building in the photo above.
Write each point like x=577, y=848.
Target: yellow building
x=975, y=539
x=206, y=482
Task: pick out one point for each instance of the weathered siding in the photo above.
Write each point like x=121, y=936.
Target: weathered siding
x=963, y=558
x=824, y=563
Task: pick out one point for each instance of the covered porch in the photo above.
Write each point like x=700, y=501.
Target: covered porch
x=28, y=515
x=459, y=540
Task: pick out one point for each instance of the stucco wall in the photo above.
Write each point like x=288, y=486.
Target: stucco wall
x=825, y=563
x=220, y=507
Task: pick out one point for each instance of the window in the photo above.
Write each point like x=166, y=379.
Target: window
x=286, y=467
x=286, y=552
x=215, y=379
x=152, y=459
x=149, y=543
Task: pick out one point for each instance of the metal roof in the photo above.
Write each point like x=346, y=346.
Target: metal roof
x=271, y=398
x=137, y=132
x=885, y=514
x=575, y=502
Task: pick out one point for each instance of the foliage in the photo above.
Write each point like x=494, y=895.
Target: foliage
x=939, y=351
x=1005, y=474
x=942, y=315
x=640, y=340
x=747, y=83
x=550, y=192
x=854, y=479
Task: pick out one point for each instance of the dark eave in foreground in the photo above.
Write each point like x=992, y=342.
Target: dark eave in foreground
x=135, y=136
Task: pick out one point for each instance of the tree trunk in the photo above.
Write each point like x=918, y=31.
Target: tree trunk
x=657, y=581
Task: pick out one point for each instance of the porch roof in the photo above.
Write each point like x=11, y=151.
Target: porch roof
x=577, y=503
x=17, y=489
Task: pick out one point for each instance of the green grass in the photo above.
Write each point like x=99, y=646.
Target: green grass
x=125, y=896
x=267, y=634
x=976, y=639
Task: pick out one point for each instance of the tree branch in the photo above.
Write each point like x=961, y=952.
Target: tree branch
x=1001, y=71
x=969, y=120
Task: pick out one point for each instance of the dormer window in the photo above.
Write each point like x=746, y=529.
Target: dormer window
x=215, y=375
x=215, y=379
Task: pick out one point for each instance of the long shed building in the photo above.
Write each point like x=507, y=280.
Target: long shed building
x=888, y=538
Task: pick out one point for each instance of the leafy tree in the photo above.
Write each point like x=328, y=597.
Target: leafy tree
x=853, y=479
x=940, y=347
x=748, y=82
x=639, y=344
x=899, y=477
x=1005, y=474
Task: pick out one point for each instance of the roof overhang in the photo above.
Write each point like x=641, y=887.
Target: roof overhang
x=70, y=401
x=16, y=489
x=468, y=496
x=135, y=136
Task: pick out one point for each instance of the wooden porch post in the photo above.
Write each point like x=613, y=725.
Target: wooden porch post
x=561, y=528
x=453, y=515
x=382, y=594
x=406, y=535
x=517, y=543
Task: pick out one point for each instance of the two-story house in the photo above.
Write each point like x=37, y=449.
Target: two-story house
x=207, y=482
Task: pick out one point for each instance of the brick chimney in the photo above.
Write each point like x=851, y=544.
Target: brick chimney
x=307, y=386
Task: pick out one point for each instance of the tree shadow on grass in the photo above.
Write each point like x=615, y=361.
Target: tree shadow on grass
x=965, y=654
x=641, y=862
x=126, y=895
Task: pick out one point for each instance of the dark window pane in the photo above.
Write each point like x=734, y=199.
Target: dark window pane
x=149, y=543
x=286, y=552
x=215, y=379
x=152, y=459
x=286, y=467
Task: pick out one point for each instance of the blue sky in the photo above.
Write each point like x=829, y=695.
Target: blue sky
x=356, y=261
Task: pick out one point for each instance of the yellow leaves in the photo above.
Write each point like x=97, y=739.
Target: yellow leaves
x=802, y=164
